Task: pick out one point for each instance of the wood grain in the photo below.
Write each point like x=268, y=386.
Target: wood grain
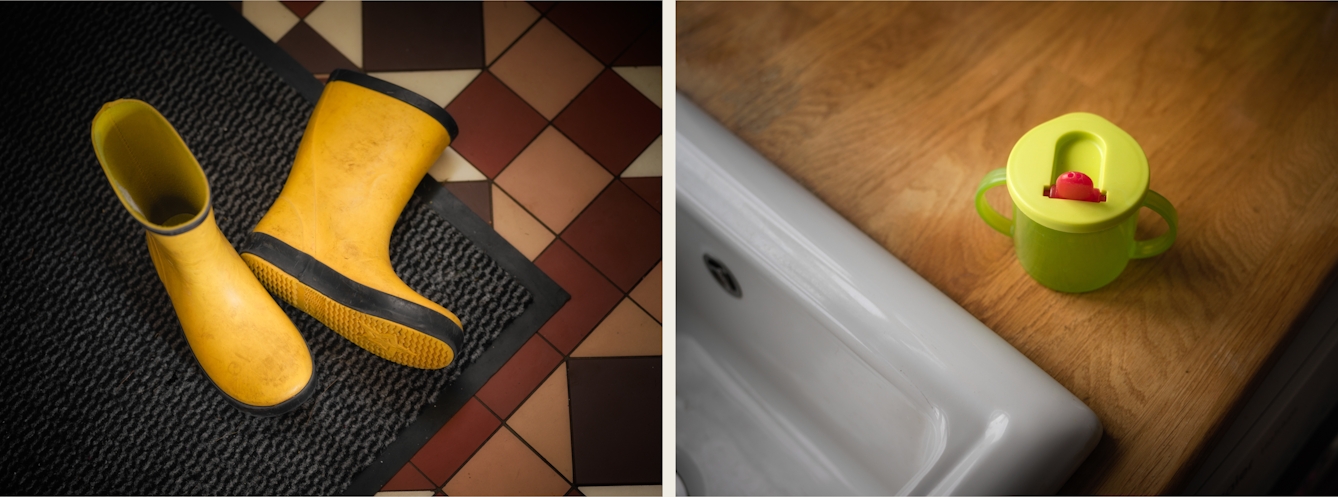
x=892, y=113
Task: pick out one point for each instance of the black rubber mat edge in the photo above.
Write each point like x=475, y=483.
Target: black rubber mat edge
x=548, y=296
x=348, y=293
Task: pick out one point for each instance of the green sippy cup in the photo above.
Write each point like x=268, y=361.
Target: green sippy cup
x=1076, y=242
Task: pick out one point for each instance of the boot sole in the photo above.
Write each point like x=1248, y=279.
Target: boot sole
x=390, y=327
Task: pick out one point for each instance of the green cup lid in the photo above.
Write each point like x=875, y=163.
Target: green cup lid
x=1085, y=143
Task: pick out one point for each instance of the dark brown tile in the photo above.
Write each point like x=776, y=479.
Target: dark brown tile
x=611, y=121
x=312, y=51
x=236, y=6
x=619, y=234
x=647, y=188
x=645, y=51
x=542, y=6
x=301, y=8
x=615, y=420
x=446, y=451
x=574, y=491
x=606, y=29
x=409, y=478
x=495, y=124
x=475, y=194
x=422, y=36
x=592, y=296
x=504, y=392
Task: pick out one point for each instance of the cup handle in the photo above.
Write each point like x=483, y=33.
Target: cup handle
x=993, y=218
x=1148, y=248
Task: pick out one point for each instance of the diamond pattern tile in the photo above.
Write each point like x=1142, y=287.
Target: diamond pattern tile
x=619, y=233
x=543, y=421
x=518, y=227
x=495, y=124
x=592, y=296
x=611, y=121
x=422, y=36
x=505, y=466
x=646, y=79
x=615, y=419
x=270, y=17
x=606, y=30
x=554, y=179
x=645, y=51
x=477, y=195
x=627, y=331
x=546, y=68
x=441, y=87
x=312, y=51
x=503, y=22
x=504, y=392
x=340, y=23
x=646, y=188
x=409, y=478
x=650, y=292
x=649, y=163
x=452, y=166
x=300, y=8
x=446, y=451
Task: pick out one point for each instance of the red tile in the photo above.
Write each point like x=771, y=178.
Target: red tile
x=592, y=296
x=301, y=8
x=645, y=51
x=495, y=124
x=504, y=392
x=574, y=491
x=606, y=29
x=611, y=121
x=312, y=51
x=619, y=233
x=409, y=478
x=647, y=188
x=443, y=455
x=422, y=36
x=477, y=195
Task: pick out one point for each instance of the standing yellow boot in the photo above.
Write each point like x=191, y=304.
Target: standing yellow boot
x=244, y=343
x=324, y=246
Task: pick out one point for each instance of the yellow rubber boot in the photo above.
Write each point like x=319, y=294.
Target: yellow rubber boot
x=324, y=246
x=244, y=343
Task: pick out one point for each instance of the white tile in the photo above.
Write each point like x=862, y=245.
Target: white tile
x=451, y=166
x=646, y=79
x=621, y=490
x=340, y=23
x=270, y=17
x=649, y=163
x=438, y=86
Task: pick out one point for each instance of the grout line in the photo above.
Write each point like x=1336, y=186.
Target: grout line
x=476, y=449
x=421, y=473
x=541, y=456
x=535, y=389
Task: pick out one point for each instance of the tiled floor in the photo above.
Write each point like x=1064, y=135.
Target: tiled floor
x=559, y=149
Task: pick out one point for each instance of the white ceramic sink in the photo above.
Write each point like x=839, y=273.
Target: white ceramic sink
x=837, y=369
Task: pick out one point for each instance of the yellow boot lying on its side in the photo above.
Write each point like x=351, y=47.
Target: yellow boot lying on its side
x=324, y=246
x=244, y=343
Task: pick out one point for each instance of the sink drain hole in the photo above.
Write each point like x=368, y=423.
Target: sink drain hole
x=723, y=276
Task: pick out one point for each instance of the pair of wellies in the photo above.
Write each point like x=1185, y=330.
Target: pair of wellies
x=323, y=246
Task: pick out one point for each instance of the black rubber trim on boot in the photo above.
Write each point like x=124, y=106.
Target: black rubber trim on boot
x=264, y=411
x=400, y=93
x=352, y=294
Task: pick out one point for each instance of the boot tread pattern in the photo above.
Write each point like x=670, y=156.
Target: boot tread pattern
x=389, y=340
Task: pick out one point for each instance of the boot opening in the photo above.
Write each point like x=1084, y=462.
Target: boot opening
x=152, y=171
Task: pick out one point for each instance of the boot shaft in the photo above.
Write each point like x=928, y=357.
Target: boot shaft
x=364, y=151
x=152, y=171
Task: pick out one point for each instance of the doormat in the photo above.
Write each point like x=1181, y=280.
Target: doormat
x=100, y=392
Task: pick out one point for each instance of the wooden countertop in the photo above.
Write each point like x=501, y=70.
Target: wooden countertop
x=892, y=113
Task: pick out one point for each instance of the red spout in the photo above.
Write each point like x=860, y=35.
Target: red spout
x=1074, y=185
